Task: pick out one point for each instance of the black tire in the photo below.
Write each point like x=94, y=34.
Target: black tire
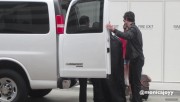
x=17, y=83
x=39, y=93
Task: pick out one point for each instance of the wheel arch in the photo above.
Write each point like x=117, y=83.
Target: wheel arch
x=12, y=64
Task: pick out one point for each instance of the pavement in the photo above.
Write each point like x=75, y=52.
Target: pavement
x=72, y=94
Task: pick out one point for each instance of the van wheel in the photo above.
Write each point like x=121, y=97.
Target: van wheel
x=39, y=93
x=12, y=87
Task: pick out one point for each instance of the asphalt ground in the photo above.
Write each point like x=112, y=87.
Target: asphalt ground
x=72, y=95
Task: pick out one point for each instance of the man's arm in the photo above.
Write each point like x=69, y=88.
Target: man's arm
x=126, y=35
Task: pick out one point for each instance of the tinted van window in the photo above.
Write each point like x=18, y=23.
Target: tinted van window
x=24, y=17
x=86, y=17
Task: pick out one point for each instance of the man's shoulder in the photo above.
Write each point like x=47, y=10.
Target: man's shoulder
x=135, y=29
x=134, y=26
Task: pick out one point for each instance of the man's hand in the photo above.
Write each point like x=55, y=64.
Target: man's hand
x=110, y=27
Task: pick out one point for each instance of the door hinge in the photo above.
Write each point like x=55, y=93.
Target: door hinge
x=108, y=50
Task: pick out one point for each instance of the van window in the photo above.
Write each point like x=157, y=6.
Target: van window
x=24, y=17
x=86, y=17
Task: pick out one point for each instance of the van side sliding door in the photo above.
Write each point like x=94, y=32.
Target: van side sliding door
x=84, y=46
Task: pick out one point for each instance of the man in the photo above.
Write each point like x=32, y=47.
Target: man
x=134, y=52
x=84, y=24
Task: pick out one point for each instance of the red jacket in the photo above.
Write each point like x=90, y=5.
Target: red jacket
x=124, y=42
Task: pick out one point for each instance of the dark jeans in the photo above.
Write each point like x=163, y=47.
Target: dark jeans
x=83, y=90
x=135, y=70
x=98, y=90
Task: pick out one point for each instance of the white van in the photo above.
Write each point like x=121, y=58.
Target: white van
x=36, y=48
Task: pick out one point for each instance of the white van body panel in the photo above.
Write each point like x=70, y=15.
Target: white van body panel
x=159, y=24
x=37, y=53
x=85, y=55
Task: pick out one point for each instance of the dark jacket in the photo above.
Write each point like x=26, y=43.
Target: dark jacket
x=134, y=39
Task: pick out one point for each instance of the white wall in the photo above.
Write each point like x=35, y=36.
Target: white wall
x=116, y=11
x=172, y=42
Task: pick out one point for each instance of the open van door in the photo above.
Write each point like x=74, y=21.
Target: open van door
x=84, y=48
